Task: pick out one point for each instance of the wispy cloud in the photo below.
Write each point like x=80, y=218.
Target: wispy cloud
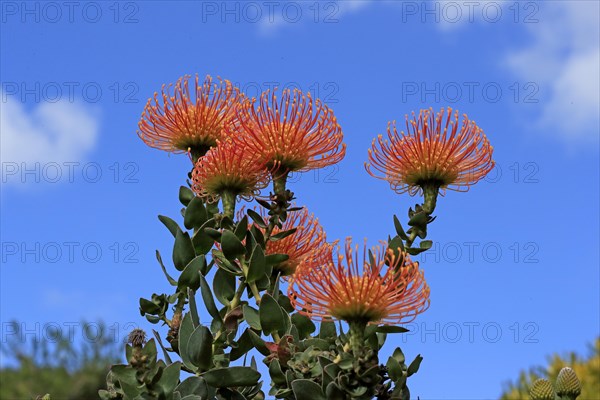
x=563, y=56
x=313, y=12
x=58, y=132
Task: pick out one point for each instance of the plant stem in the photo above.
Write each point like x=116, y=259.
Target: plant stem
x=430, y=193
x=357, y=336
x=411, y=238
x=255, y=292
x=251, y=285
x=279, y=183
x=276, y=337
x=279, y=190
x=228, y=200
x=238, y=295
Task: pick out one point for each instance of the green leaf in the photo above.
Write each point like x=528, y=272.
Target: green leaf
x=419, y=220
x=327, y=330
x=172, y=281
x=271, y=316
x=425, y=244
x=170, y=224
x=202, y=242
x=413, y=251
x=124, y=374
x=414, y=366
x=148, y=307
x=277, y=375
x=244, y=345
x=131, y=391
x=231, y=377
x=190, y=277
x=258, y=220
x=193, y=385
x=333, y=392
x=165, y=352
x=199, y=348
x=391, y=329
x=395, y=244
x=195, y=214
x=191, y=294
x=276, y=287
x=183, y=250
x=213, y=233
x=285, y=303
x=304, y=325
x=186, y=329
x=224, y=286
x=282, y=235
x=399, y=355
x=185, y=195
x=257, y=235
x=209, y=302
x=225, y=264
x=320, y=344
x=251, y=316
x=241, y=228
x=274, y=259
x=193, y=397
x=394, y=369
x=305, y=389
x=257, y=266
x=258, y=343
x=399, y=229
x=231, y=245
x=169, y=378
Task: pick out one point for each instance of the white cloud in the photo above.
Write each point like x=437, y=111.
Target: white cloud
x=563, y=57
x=57, y=132
x=444, y=14
x=326, y=12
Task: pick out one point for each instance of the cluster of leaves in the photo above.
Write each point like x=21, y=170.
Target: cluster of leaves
x=587, y=369
x=248, y=311
x=325, y=367
x=56, y=363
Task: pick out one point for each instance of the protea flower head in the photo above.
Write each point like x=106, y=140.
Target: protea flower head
x=567, y=383
x=182, y=120
x=436, y=151
x=383, y=288
x=308, y=241
x=291, y=132
x=228, y=168
x=542, y=390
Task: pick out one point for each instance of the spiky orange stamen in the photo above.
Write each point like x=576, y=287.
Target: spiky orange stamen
x=434, y=151
x=228, y=167
x=184, y=120
x=370, y=291
x=292, y=133
x=308, y=241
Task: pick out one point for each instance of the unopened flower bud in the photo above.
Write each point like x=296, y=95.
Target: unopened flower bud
x=567, y=383
x=542, y=390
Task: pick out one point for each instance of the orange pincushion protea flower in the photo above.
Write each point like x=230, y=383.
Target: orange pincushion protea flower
x=292, y=133
x=308, y=240
x=370, y=291
x=188, y=119
x=229, y=167
x=435, y=151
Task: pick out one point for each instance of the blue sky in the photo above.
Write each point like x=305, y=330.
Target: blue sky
x=514, y=273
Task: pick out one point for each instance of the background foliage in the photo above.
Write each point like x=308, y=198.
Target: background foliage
x=62, y=367
x=587, y=369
